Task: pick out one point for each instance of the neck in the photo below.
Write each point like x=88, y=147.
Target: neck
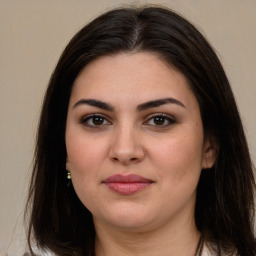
x=165, y=240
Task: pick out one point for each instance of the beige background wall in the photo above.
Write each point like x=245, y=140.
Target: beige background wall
x=32, y=36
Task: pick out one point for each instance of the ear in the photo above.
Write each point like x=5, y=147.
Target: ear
x=210, y=153
x=67, y=165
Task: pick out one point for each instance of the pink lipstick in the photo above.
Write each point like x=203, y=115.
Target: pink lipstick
x=127, y=184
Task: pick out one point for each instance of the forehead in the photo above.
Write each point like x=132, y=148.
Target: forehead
x=126, y=75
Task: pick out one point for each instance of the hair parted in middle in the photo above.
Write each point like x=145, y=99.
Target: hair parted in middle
x=224, y=207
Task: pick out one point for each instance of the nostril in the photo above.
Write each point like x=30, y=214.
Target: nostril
x=125, y=160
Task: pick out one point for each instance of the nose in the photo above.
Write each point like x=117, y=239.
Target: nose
x=126, y=147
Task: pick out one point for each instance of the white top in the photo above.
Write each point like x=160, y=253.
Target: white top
x=206, y=251
x=20, y=252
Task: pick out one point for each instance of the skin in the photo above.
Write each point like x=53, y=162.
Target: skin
x=169, y=150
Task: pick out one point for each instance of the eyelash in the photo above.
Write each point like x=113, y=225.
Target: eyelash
x=164, y=117
x=85, y=120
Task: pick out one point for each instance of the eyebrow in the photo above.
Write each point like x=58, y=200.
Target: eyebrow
x=157, y=103
x=144, y=106
x=94, y=103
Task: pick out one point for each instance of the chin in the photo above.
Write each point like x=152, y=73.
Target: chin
x=127, y=218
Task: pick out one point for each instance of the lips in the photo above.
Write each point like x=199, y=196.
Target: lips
x=127, y=184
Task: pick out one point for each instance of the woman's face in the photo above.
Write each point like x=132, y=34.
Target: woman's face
x=135, y=142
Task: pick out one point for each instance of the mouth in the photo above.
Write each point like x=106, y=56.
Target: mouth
x=127, y=184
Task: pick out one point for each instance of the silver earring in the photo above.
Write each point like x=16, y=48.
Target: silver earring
x=68, y=175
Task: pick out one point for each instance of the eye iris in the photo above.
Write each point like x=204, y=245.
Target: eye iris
x=159, y=120
x=97, y=120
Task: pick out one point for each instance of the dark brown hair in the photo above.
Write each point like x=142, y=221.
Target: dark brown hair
x=224, y=211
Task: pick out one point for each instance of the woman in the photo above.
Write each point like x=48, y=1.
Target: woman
x=140, y=147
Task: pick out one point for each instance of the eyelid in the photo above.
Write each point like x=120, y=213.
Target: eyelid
x=168, y=117
x=171, y=120
x=87, y=117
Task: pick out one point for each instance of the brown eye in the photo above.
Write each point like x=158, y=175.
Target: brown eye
x=160, y=121
x=95, y=120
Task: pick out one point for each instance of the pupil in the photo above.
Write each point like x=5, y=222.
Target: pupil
x=97, y=120
x=159, y=120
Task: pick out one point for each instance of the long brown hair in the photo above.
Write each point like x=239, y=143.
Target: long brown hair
x=225, y=206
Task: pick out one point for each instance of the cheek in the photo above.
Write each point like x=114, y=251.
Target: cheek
x=84, y=161
x=85, y=158
x=83, y=154
x=180, y=158
x=179, y=169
